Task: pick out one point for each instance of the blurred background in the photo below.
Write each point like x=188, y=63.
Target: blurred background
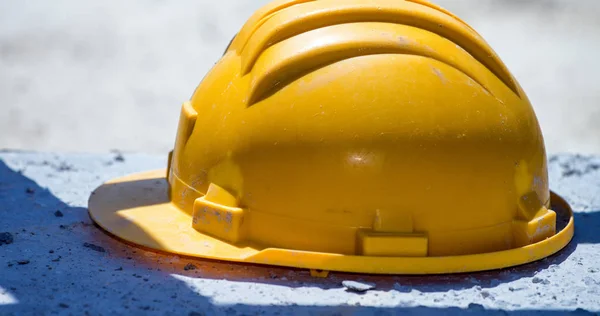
x=93, y=76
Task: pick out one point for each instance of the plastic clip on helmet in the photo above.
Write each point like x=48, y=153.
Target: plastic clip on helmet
x=377, y=136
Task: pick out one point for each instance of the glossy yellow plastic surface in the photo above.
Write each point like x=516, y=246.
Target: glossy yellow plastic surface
x=378, y=136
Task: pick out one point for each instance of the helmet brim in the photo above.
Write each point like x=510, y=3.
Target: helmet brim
x=137, y=209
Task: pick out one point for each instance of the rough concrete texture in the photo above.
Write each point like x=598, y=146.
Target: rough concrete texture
x=66, y=265
x=90, y=76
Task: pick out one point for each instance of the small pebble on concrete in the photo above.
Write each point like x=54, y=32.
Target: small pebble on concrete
x=6, y=238
x=540, y=280
x=189, y=266
x=119, y=157
x=475, y=306
x=94, y=247
x=358, y=286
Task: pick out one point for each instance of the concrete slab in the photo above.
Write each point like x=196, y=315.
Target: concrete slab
x=60, y=263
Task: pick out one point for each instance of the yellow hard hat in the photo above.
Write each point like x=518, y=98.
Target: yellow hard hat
x=376, y=136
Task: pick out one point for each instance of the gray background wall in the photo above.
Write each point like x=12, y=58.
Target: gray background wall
x=100, y=75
